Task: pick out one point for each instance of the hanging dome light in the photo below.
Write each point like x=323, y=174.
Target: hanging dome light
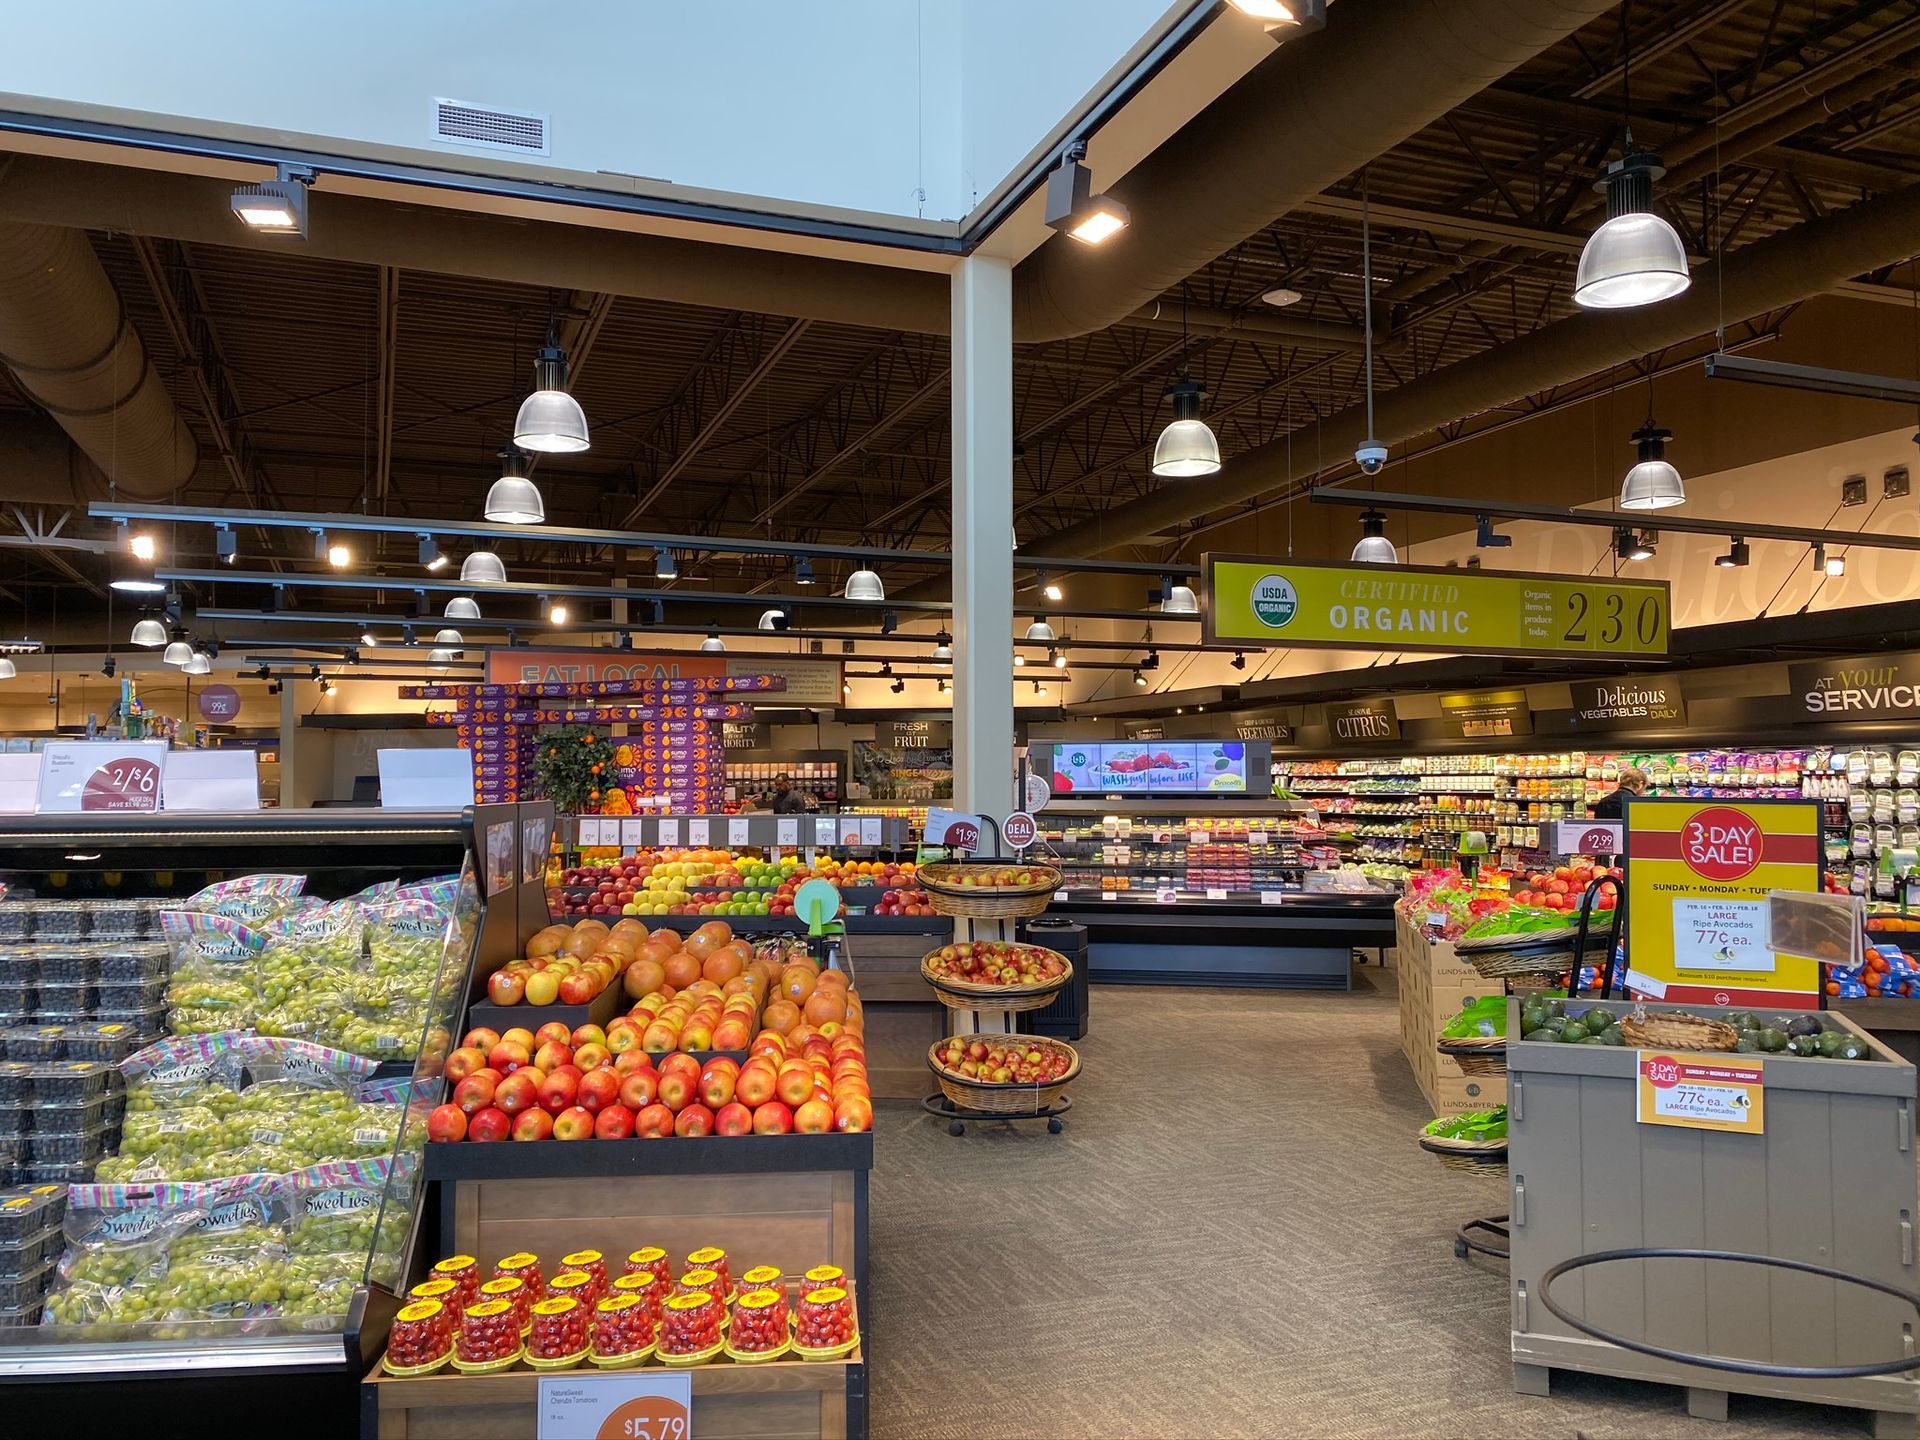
x=1039, y=630
x=150, y=633
x=1653, y=484
x=1186, y=448
x=515, y=499
x=177, y=653
x=482, y=567
x=1178, y=600
x=450, y=637
x=462, y=607
x=1635, y=258
x=713, y=645
x=773, y=620
x=200, y=663
x=550, y=421
x=1374, y=547
x=865, y=585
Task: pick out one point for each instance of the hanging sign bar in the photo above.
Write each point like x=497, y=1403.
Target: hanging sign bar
x=1250, y=600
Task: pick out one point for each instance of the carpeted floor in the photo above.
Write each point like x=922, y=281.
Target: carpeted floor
x=1236, y=1236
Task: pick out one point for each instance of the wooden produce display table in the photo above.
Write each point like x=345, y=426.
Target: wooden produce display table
x=1435, y=985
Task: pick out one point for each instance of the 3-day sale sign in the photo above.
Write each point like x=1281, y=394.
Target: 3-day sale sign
x=1698, y=876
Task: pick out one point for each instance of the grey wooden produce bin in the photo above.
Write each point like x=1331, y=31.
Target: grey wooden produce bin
x=1831, y=1182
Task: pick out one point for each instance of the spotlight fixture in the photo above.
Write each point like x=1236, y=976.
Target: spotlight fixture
x=462, y=607
x=550, y=421
x=1284, y=17
x=226, y=544
x=449, y=637
x=178, y=652
x=482, y=567
x=1374, y=548
x=665, y=567
x=277, y=206
x=1635, y=258
x=149, y=633
x=1736, y=555
x=713, y=644
x=864, y=584
x=1629, y=545
x=898, y=687
x=1059, y=660
x=514, y=499
x=1239, y=661
x=1653, y=483
x=943, y=648
x=803, y=571
x=1039, y=630
x=142, y=546
x=1187, y=448
x=1072, y=207
x=773, y=620
x=1178, y=600
x=200, y=664
x=1139, y=679
x=430, y=555
x=1485, y=537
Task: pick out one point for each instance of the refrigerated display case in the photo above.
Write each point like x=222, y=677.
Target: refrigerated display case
x=239, y=1207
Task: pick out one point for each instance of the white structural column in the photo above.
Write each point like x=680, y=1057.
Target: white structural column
x=983, y=537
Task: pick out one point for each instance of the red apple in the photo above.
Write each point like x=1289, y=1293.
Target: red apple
x=573, y=1123
x=592, y=1056
x=552, y=1054
x=772, y=1118
x=535, y=1124
x=733, y=1118
x=639, y=1089
x=599, y=1089
x=488, y=1124
x=447, y=1122
x=613, y=1123
x=481, y=1039
x=515, y=1093
x=696, y=1119
x=476, y=1092
x=654, y=1122
x=506, y=987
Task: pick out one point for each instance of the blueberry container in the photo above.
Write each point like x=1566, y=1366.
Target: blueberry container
x=79, y=1172
x=34, y=1043
x=63, y=1147
x=22, y=1257
x=71, y=1083
x=122, y=963
x=111, y=1040
x=28, y=1289
x=28, y=1209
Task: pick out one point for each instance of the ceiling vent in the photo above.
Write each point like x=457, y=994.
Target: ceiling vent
x=488, y=128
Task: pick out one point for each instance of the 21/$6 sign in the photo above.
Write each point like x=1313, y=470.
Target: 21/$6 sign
x=1250, y=600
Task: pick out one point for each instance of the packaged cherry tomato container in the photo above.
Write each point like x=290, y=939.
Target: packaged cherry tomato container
x=646, y=1285
x=622, y=1331
x=443, y=1292
x=523, y=1265
x=559, y=1339
x=689, y=1329
x=825, y=1329
x=421, y=1340
x=594, y=1263
x=577, y=1283
x=489, y=1338
x=464, y=1272
x=704, y=1282
x=513, y=1290
x=822, y=1276
x=715, y=1259
x=759, y=1330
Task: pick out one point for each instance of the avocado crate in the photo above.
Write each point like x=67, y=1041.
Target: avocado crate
x=1830, y=1181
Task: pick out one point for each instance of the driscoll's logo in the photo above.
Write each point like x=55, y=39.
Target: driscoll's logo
x=1274, y=601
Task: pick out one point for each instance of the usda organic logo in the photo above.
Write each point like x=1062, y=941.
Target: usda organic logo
x=1274, y=600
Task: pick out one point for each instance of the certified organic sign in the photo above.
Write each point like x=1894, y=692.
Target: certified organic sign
x=1699, y=874
x=1702, y=1092
x=1413, y=607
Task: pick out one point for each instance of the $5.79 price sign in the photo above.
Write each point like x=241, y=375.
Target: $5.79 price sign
x=648, y=1406
x=1701, y=1092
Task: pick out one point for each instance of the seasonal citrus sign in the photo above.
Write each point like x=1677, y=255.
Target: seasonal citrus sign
x=1698, y=876
x=1255, y=601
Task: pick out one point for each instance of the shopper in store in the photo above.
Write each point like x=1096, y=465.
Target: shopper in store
x=785, y=800
x=1633, y=783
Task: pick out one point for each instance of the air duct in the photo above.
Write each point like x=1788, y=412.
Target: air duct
x=72, y=350
x=1305, y=119
x=1778, y=271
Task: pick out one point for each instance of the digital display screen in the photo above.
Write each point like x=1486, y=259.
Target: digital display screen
x=1151, y=767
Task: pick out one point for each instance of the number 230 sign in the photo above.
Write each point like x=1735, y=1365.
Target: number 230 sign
x=645, y=1406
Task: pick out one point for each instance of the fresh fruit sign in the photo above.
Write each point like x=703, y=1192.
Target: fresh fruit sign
x=1256, y=601
x=1699, y=1092
x=1699, y=875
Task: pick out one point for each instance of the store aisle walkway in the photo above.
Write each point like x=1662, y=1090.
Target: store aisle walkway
x=1236, y=1236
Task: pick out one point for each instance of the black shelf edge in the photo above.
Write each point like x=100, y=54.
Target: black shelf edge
x=690, y=1155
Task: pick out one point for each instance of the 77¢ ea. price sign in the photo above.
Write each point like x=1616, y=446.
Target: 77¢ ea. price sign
x=643, y=1406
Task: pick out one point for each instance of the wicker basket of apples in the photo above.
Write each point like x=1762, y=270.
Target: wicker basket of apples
x=989, y=890
x=1003, y=1074
x=995, y=975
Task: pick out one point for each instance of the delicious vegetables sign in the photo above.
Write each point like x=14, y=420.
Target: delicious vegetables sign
x=1699, y=874
x=1413, y=607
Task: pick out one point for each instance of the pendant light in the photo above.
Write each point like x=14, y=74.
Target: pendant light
x=179, y=652
x=482, y=567
x=865, y=585
x=550, y=421
x=449, y=637
x=514, y=498
x=462, y=607
x=713, y=645
x=1635, y=257
x=1374, y=547
x=150, y=633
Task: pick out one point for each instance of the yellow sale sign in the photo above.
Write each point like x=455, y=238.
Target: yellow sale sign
x=1698, y=876
x=1256, y=601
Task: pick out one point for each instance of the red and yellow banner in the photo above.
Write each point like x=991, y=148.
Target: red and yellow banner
x=1698, y=876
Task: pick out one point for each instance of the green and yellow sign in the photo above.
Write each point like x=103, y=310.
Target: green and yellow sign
x=1254, y=601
